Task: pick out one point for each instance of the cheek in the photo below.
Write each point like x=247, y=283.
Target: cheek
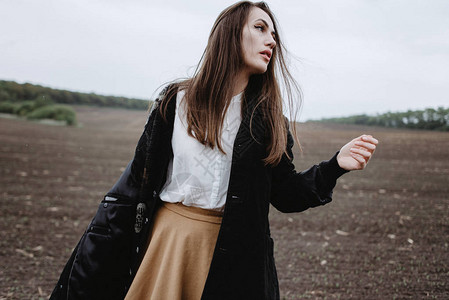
x=247, y=44
x=250, y=43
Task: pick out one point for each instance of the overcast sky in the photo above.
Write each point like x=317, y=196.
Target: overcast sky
x=352, y=56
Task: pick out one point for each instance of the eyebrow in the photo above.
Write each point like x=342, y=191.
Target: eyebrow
x=266, y=24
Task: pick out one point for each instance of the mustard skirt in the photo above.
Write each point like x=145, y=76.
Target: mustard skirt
x=178, y=256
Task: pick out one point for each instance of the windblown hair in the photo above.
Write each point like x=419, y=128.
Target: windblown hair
x=209, y=90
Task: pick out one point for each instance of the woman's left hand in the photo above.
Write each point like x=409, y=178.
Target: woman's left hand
x=356, y=154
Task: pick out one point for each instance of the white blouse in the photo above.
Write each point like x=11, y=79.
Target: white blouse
x=198, y=175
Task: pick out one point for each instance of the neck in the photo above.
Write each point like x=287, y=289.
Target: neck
x=240, y=83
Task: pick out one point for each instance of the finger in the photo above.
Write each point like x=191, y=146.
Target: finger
x=366, y=145
x=359, y=159
x=364, y=153
x=370, y=139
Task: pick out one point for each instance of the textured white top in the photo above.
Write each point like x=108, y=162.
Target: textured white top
x=198, y=175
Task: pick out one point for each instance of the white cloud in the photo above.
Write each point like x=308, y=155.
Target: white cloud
x=357, y=56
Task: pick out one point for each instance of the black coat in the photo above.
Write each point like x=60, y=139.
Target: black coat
x=107, y=257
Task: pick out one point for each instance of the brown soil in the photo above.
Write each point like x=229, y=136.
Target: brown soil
x=385, y=235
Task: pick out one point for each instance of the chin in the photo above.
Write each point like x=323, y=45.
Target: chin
x=256, y=67
x=259, y=70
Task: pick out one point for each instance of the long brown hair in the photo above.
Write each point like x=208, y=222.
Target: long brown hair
x=209, y=90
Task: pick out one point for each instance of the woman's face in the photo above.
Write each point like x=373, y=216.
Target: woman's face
x=258, y=41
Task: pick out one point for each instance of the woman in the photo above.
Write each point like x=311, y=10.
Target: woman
x=215, y=152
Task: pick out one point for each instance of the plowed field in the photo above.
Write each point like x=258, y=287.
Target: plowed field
x=384, y=236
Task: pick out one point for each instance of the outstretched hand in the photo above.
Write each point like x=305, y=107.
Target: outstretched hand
x=356, y=154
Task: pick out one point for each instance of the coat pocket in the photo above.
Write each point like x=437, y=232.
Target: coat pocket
x=101, y=266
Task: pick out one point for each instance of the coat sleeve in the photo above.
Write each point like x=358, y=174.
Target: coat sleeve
x=297, y=191
x=130, y=181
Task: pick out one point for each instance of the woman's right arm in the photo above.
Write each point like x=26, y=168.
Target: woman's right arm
x=294, y=191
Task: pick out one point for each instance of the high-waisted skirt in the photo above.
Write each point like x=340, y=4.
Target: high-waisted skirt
x=178, y=256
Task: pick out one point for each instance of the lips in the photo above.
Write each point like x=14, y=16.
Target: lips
x=266, y=54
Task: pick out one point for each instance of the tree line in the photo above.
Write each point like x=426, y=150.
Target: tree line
x=429, y=119
x=12, y=91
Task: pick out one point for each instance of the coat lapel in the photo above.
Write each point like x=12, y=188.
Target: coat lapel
x=251, y=129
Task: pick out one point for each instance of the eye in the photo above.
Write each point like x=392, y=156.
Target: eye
x=259, y=27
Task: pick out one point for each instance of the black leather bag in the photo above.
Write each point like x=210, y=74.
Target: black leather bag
x=103, y=263
x=105, y=260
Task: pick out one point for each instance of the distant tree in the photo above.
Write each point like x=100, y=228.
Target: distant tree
x=15, y=93
x=429, y=119
x=4, y=95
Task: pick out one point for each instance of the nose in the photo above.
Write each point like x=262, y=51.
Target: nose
x=270, y=42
